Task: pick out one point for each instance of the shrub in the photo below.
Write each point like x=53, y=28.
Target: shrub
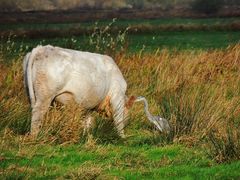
x=102, y=40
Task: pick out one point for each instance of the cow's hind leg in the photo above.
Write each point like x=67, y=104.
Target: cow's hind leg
x=44, y=95
x=38, y=112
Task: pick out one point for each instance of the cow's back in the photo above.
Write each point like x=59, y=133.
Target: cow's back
x=88, y=77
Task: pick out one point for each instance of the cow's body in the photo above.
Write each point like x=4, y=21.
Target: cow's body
x=65, y=75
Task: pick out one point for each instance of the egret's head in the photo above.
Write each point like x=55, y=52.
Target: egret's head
x=139, y=98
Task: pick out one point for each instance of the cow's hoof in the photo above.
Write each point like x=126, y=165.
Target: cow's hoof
x=123, y=136
x=33, y=134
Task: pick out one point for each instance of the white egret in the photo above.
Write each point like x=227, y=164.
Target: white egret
x=161, y=123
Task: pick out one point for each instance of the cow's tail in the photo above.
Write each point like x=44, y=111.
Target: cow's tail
x=25, y=63
x=29, y=75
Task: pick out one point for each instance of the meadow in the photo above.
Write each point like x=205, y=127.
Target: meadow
x=123, y=23
x=189, y=77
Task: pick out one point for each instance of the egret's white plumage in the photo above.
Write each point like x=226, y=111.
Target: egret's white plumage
x=161, y=123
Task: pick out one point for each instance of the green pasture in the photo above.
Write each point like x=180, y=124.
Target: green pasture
x=123, y=23
x=141, y=40
x=112, y=161
x=185, y=40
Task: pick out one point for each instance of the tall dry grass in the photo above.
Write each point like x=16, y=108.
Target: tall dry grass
x=197, y=91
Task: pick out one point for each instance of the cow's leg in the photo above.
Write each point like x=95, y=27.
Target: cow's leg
x=38, y=112
x=118, y=105
x=43, y=96
x=87, y=125
x=65, y=98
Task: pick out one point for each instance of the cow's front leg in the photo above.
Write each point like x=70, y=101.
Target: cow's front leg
x=38, y=112
x=118, y=104
x=87, y=125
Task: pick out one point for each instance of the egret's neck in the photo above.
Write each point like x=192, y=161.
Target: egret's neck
x=146, y=108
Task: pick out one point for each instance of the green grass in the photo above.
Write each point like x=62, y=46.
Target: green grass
x=123, y=23
x=198, y=40
x=148, y=40
x=128, y=162
x=184, y=40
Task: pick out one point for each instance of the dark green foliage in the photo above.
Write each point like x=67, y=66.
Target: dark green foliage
x=207, y=6
x=225, y=148
x=104, y=131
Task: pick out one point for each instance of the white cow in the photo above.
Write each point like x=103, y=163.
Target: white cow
x=53, y=73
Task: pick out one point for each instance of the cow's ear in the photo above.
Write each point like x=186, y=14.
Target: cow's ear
x=130, y=102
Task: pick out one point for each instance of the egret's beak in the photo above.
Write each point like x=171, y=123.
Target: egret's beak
x=139, y=98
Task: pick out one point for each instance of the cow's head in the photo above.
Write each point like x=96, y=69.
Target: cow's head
x=129, y=102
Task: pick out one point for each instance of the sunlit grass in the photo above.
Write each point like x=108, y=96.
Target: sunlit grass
x=107, y=162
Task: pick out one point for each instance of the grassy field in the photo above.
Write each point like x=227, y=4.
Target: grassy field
x=191, y=78
x=139, y=35
x=123, y=23
x=185, y=40
x=113, y=161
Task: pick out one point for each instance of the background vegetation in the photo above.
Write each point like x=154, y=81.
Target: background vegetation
x=175, y=33
x=196, y=86
x=34, y=5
